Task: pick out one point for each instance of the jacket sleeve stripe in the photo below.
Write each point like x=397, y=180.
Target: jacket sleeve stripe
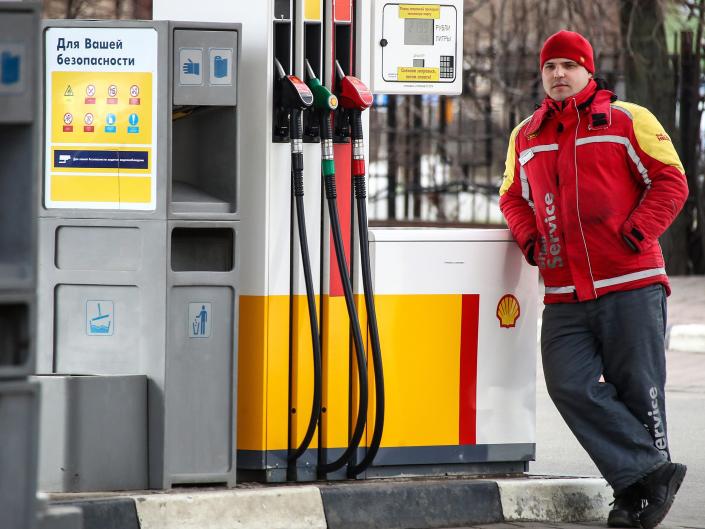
x=651, y=136
x=624, y=110
x=525, y=189
x=626, y=278
x=538, y=148
x=630, y=150
x=510, y=164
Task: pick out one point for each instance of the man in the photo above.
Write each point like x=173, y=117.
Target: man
x=590, y=184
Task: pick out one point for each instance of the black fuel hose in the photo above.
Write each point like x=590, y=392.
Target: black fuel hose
x=331, y=194
x=359, y=187
x=297, y=175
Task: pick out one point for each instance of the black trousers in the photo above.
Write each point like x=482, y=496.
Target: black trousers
x=621, y=421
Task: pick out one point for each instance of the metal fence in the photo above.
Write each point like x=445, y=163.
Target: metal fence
x=439, y=160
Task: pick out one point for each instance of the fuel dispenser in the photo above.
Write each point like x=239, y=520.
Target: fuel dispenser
x=139, y=248
x=469, y=408
x=19, y=133
x=277, y=377
x=451, y=383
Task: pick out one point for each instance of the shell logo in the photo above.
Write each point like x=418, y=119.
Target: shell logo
x=508, y=311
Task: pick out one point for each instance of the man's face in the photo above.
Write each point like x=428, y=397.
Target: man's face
x=563, y=78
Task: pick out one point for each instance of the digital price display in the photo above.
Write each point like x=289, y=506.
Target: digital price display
x=418, y=31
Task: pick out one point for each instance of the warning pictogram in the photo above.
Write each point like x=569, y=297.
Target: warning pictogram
x=69, y=91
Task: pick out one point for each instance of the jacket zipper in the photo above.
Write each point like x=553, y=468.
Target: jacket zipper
x=577, y=197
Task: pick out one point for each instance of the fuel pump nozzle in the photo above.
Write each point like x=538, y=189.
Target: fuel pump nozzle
x=353, y=93
x=324, y=102
x=293, y=94
x=292, y=97
x=323, y=99
x=355, y=98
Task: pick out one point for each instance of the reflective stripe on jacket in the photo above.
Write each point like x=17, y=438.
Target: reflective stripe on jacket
x=589, y=187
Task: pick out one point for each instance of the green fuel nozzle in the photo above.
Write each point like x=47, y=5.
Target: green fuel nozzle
x=323, y=99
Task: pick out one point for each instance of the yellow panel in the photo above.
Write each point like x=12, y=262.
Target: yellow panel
x=277, y=373
x=252, y=382
x=419, y=11
x=362, y=314
x=334, y=424
x=312, y=10
x=263, y=372
x=302, y=373
x=85, y=188
x=420, y=339
x=134, y=189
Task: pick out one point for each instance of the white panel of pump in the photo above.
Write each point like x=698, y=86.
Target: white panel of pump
x=417, y=47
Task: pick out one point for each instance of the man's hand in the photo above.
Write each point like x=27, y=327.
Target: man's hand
x=633, y=238
x=529, y=251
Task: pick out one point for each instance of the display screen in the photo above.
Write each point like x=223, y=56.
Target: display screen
x=418, y=31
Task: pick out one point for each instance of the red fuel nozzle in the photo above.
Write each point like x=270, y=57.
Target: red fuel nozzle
x=352, y=93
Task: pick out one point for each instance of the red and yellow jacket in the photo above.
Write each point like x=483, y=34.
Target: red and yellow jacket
x=590, y=184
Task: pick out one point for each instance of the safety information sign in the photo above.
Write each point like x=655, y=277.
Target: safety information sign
x=101, y=108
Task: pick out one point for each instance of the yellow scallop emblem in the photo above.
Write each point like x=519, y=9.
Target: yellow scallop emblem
x=508, y=311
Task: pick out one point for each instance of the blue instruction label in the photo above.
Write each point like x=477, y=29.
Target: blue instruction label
x=69, y=158
x=100, y=318
x=199, y=320
x=11, y=68
x=221, y=66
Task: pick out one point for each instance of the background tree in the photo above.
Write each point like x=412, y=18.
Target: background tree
x=650, y=73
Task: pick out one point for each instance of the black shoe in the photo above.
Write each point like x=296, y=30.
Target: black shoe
x=625, y=508
x=660, y=489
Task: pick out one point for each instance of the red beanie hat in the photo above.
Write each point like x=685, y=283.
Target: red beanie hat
x=568, y=45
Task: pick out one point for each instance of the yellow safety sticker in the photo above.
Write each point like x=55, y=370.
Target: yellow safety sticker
x=419, y=11
x=104, y=108
x=425, y=75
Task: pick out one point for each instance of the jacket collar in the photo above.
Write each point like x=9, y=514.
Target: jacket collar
x=592, y=97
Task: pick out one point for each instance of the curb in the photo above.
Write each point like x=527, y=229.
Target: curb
x=686, y=337
x=60, y=517
x=421, y=504
x=418, y=504
x=266, y=508
x=107, y=513
x=555, y=500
